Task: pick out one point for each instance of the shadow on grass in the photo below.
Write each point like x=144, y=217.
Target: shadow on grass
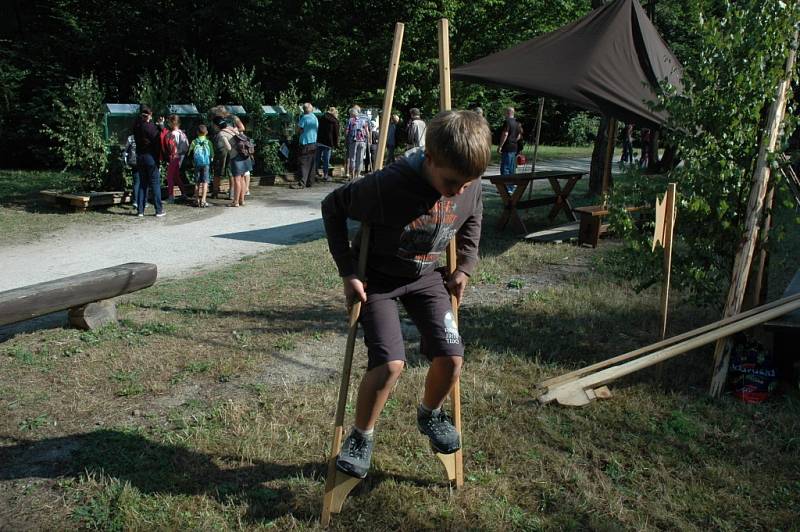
x=154, y=468
x=296, y=233
x=565, y=341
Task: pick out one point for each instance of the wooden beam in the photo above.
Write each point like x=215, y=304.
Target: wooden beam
x=68, y=292
x=755, y=204
x=577, y=374
x=573, y=393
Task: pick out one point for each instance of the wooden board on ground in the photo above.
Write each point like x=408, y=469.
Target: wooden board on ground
x=556, y=235
x=86, y=200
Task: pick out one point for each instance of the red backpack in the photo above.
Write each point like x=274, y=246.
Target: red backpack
x=167, y=143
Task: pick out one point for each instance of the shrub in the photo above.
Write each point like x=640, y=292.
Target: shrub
x=582, y=129
x=271, y=159
x=242, y=87
x=77, y=130
x=717, y=124
x=159, y=89
x=202, y=83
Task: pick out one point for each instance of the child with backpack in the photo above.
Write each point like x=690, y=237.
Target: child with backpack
x=174, y=146
x=203, y=155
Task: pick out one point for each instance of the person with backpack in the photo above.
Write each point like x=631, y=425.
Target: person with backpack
x=203, y=154
x=308, y=126
x=175, y=146
x=148, y=155
x=239, y=125
x=240, y=150
x=358, y=133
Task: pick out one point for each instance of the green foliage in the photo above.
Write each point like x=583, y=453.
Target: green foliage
x=159, y=88
x=271, y=159
x=78, y=131
x=582, y=129
x=244, y=89
x=717, y=125
x=202, y=83
x=11, y=79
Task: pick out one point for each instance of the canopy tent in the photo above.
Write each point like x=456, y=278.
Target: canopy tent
x=608, y=61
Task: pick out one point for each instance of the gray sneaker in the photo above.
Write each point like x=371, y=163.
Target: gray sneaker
x=439, y=428
x=355, y=455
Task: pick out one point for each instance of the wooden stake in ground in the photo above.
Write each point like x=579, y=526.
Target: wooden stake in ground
x=665, y=222
x=453, y=463
x=744, y=255
x=337, y=484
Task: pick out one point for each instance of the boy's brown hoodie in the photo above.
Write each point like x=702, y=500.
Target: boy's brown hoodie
x=411, y=222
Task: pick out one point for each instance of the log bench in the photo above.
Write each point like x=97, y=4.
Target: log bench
x=87, y=296
x=786, y=337
x=591, y=223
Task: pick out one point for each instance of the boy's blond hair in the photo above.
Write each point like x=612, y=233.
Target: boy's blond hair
x=460, y=140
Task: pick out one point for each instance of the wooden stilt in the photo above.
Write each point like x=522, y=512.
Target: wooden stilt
x=454, y=463
x=338, y=485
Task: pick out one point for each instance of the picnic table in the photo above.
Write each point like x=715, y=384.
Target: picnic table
x=513, y=202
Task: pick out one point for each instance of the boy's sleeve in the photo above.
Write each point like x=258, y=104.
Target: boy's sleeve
x=359, y=200
x=469, y=235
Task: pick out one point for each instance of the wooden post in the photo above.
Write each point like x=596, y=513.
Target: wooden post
x=538, y=132
x=612, y=133
x=744, y=255
x=536, y=142
x=669, y=224
x=454, y=463
x=338, y=485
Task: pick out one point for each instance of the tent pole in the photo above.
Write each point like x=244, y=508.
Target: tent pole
x=538, y=132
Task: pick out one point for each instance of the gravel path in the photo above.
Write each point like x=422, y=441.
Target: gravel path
x=183, y=242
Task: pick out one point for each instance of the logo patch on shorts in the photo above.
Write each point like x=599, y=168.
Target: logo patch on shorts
x=451, y=329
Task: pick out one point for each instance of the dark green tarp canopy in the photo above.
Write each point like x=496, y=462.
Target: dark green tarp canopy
x=608, y=61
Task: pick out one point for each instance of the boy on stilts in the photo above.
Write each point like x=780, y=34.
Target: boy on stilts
x=414, y=207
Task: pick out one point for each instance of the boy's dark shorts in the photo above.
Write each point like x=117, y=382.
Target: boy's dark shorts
x=427, y=302
x=202, y=175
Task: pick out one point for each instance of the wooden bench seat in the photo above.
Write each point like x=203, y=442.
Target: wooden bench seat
x=88, y=296
x=592, y=226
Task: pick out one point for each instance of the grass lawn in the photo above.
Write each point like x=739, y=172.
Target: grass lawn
x=25, y=218
x=210, y=406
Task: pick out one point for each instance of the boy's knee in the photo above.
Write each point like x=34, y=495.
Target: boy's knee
x=394, y=368
x=389, y=371
x=452, y=364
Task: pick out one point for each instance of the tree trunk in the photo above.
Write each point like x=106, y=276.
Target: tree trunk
x=599, y=158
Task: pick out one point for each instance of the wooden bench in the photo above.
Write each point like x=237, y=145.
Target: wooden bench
x=591, y=223
x=786, y=336
x=87, y=296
